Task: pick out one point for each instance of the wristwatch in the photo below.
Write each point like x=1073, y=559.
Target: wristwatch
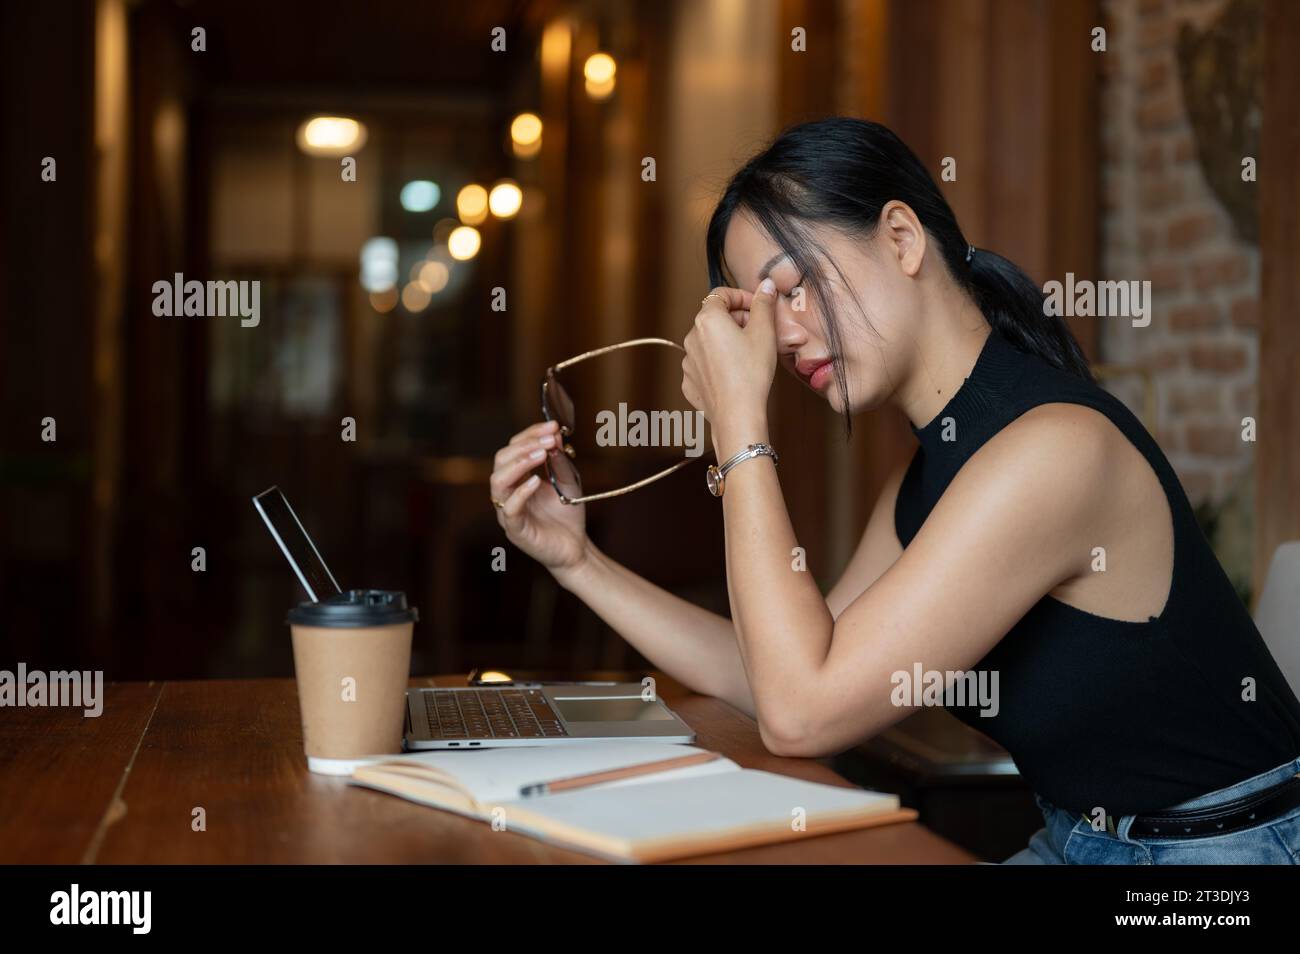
x=716, y=476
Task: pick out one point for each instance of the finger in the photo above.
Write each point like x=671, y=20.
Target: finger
x=505, y=477
x=760, y=306
x=521, y=444
x=729, y=299
x=535, y=431
x=514, y=508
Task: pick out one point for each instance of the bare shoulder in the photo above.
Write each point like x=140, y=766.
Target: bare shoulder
x=1055, y=461
x=1069, y=444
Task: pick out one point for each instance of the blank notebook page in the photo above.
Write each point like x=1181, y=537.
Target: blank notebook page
x=704, y=804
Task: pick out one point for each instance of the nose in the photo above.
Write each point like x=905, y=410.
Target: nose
x=790, y=333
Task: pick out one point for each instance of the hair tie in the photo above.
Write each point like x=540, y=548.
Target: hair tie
x=970, y=253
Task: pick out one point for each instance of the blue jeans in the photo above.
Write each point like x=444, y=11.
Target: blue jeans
x=1069, y=839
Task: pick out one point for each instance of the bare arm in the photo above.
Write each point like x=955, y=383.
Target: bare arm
x=695, y=646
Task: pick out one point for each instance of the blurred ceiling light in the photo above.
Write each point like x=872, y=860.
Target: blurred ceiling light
x=472, y=204
x=420, y=195
x=380, y=277
x=526, y=135
x=463, y=243
x=381, y=246
x=384, y=301
x=505, y=199
x=331, y=136
x=526, y=129
x=599, y=72
x=414, y=297
x=599, y=68
x=434, y=277
x=379, y=264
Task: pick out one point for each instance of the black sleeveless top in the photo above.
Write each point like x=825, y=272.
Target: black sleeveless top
x=1128, y=716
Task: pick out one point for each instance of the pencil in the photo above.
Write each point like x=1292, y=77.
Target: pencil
x=614, y=775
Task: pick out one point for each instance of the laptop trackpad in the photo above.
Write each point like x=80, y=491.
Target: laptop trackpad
x=633, y=709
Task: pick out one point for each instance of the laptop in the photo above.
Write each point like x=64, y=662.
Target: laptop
x=485, y=717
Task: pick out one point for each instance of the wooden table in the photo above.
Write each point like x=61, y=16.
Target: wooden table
x=122, y=789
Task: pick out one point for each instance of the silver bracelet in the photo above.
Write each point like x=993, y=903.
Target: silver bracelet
x=716, y=476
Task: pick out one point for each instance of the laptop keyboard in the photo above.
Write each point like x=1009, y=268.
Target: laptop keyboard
x=491, y=714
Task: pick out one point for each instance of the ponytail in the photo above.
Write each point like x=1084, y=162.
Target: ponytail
x=1013, y=305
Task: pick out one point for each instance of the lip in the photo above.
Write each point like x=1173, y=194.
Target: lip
x=806, y=369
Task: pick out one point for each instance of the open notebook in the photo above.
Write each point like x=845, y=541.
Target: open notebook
x=655, y=816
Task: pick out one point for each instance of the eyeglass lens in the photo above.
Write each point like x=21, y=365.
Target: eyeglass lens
x=558, y=406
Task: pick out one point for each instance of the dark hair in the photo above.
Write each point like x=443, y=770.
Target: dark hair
x=842, y=172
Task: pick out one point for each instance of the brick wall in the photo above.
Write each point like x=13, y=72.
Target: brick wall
x=1162, y=222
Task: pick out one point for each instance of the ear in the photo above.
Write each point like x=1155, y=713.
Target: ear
x=903, y=235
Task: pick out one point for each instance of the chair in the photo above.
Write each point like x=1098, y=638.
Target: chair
x=1278, y=613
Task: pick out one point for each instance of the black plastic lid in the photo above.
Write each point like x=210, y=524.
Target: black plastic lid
x=353, y=609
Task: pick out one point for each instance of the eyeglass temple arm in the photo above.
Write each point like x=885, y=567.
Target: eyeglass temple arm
x=631, y=487
x=614, y=347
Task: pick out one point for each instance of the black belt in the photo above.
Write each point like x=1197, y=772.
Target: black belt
x=1240, y=813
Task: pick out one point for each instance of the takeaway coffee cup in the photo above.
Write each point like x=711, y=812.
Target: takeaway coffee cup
x=352, y=659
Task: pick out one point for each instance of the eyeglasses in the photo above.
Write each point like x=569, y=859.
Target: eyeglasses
x=558, y=406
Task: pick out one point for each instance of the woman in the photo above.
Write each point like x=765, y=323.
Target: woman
x=1038, y=537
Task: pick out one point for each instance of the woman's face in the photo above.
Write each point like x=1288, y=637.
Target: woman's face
x=876, y=355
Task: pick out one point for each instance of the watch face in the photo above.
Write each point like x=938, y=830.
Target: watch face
x=714, y=480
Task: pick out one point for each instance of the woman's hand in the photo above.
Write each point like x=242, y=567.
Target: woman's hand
x=534, y=518
x=731, y=360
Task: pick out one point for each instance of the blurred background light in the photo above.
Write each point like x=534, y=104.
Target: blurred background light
x=463, y=243
x=505, y=199
x=526, y=135
x=472, y=204
x=384, y=301
x=599, y=68
x=434, y=277
x=414, y=297
x=420, y=195
x=599, y=72
x=379, y=264
x=331, y=136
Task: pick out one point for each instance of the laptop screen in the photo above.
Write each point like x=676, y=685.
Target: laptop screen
x=296, y=545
